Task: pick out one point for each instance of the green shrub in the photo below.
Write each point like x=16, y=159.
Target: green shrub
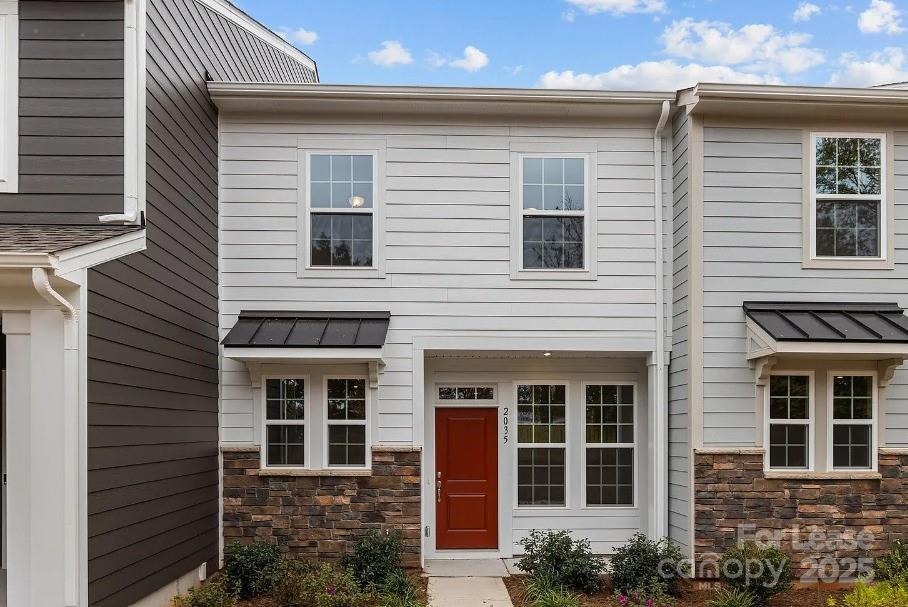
x=893, y=566
x=881, y=594
x=761, y=571
x=249, y=568
x=374, y=558
x=568, y=563
x=732, y=597
x=210, y=594
x=653, y=593
x=399, y=591
x=299, y=584
x=643, y=559
x=542, y=592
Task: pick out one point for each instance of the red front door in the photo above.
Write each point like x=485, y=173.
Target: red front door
x=466, y=478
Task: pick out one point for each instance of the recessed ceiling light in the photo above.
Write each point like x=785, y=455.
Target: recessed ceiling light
x=546, y=353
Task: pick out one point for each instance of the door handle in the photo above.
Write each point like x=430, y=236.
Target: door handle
x=438, y=487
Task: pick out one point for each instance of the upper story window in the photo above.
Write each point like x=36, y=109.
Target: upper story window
x=341, y=199
x=553, y=207
x=9, y=95
x=848, y=207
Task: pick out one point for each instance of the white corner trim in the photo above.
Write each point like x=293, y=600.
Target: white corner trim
x=235, y=15
x=96, y=253
x=133, y=115
x=9, y=96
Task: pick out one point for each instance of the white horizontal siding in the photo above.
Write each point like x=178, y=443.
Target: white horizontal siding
x=447, y=239
x=752, y=251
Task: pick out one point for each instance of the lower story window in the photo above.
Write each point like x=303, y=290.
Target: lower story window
x=346, y=422
x=542, y=441
x=610, y=445
x=285, y=422
x=852, y=421
x=789, y=422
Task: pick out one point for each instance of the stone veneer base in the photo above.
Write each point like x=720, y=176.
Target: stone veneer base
x=731, y=490
x=320, y=516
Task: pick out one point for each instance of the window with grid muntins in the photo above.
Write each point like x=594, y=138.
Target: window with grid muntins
x=542, y=438
x=849, y=174
x=610, y=445
x=346, y=422
x=285, y=419
x=466, y=393
x=789, y=421
x=553, y=212
x=852, y=421
x=341, y=193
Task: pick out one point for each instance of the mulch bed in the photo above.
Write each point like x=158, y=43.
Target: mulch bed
x=694, y=595
x=421, y=582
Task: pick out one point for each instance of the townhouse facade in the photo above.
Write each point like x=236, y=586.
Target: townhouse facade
x=108, y=266
x=467, y=314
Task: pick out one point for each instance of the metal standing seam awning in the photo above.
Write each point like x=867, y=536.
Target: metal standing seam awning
x=867, y=331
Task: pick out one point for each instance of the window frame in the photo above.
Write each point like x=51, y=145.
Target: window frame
x=886, y=232
x=9, y=98
x=634, y=446
x=872, y=423
x=306, y=423
x=327, y=423
x=339, y=146
x=586, y=151
x=811, y=421
x=457, y=402
x=568, y=502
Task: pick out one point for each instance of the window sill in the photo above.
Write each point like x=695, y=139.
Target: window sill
x=840, y=476
x=848, y=264
x=311, y=472
x=339, y=272
x=553, y=275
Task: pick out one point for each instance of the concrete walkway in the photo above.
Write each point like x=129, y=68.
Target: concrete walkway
x=467, y=583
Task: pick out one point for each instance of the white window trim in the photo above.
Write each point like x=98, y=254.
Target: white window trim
x=885, y=260
x=811, y=422
x=479, y=402
x=873, y=422
x=566, y=149
x=568, y=501
x=306, y=423
x=367, y=422
x=633, y=446
x=376, y=148
x=9, y=98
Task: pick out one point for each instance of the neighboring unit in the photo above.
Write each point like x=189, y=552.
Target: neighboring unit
x=109, y=293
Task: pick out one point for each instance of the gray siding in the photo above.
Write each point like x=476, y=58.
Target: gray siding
x=679, y=463
x=153, y=367
x=752, y=190
x=71, y=113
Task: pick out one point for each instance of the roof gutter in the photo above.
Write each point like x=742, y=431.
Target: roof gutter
x=660, y=402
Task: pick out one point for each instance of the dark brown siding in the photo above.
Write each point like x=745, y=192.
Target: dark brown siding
x=153, y=354
x=70, y=113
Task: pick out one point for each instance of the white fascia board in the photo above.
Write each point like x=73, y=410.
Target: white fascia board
x=9, y=96
x=96, y=253
x=311, y=355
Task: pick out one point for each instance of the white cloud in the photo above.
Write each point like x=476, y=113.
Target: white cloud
x=300, y=35
x=755, y=47
x=619, y=7
x=881, y=16
x=650, y=75
x=392, y=53
x=805, y=11
x=473, y=60
x=435, y=60
x=885, y=67
x=569, y=15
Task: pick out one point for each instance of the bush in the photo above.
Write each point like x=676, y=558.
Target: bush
x=644, y=559
x=761, y=571
x=374, y=559
x=653, y=593
x=399, y=591
x=893, y=566
x=249, y=569
x=210, y=594
x=567, y=563
x=732, y=597
x=300, y=584
x=881, y=594
x=542, y=592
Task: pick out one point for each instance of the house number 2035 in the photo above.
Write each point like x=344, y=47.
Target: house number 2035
x=505, y=429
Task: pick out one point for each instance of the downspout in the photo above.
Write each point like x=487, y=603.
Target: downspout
x=661, y=399
x=41, y=282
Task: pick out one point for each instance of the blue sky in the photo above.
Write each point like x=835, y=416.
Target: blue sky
x=611, y=44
